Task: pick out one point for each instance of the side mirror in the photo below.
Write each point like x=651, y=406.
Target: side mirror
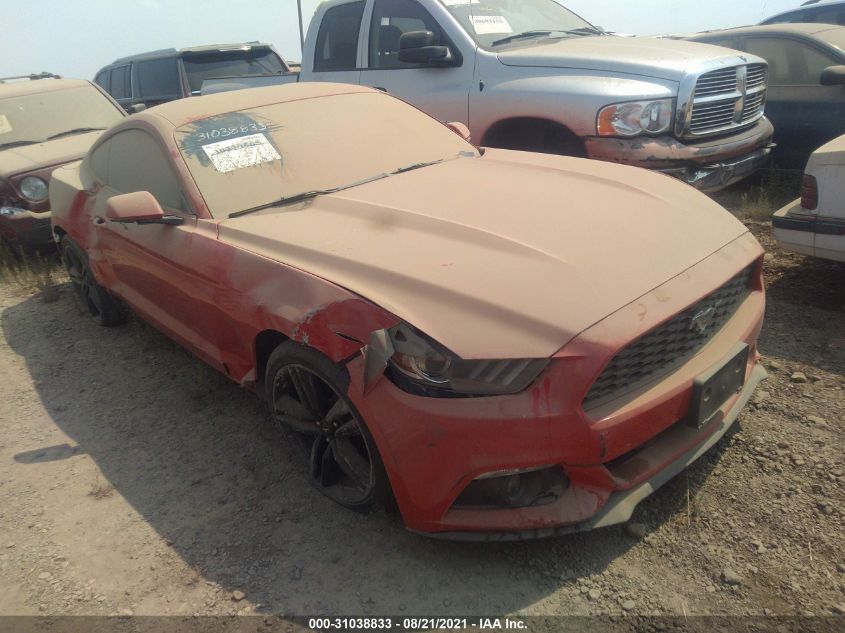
x=460, y=129
x=417, y=47
x=139, y=208
x=833, y=76
x=137, y=107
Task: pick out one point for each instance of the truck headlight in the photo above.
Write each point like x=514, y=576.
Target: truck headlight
x=422, y=366
x=34, y=189
x=636, y=117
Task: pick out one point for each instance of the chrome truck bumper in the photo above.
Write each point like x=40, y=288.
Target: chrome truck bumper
x=708, y=166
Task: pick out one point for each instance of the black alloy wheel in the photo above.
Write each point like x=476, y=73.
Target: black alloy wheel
x=305, y=399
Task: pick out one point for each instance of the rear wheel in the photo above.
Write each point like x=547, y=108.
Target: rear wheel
x=103, y=307
x=307, y=396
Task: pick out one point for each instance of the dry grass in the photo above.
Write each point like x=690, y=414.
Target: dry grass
x=776, y=189
x=100, y=489
x=31, y=273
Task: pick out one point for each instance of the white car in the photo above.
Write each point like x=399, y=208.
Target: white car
x=815, y=224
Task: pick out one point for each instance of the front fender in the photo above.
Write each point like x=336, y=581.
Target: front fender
x=571, y=98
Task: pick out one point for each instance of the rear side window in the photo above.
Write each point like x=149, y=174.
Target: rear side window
x=102, y=80
x=120, y=86
x=791, y=63
x=133, y=161
x=337, y=41
x=158, y=79
x=830, y=15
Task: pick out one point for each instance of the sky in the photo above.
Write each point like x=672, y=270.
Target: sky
x=75, y=38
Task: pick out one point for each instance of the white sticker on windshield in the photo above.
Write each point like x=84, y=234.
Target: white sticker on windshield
x=490, y=24
x=5, y=126
x=460, y=3
x=241, y=152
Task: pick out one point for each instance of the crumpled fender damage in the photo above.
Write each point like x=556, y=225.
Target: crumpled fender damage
x=261, y=295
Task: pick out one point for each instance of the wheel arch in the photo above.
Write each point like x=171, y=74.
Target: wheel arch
x=266, y=342
x=536, y=134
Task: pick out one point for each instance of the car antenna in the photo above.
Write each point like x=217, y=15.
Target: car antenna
x=301, y=29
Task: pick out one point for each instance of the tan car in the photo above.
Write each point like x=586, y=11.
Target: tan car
x=45, y=122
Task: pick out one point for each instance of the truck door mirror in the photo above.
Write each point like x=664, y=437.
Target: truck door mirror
x=833, y=76
x=135, y=108
x=418, y=47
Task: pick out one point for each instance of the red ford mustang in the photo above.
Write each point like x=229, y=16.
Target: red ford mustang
x=512, y=345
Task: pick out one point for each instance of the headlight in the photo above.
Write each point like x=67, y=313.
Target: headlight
x=34, y=189
x=636, y=117
x=422, y=366
x=10, y=211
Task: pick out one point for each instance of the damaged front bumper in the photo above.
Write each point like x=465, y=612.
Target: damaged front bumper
x=708, y=166
x=619, y=506
x=599, y=462
x=21, y=228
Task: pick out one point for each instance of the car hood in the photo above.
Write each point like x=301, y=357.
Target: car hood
x=506, y=256
x=648, y=57
x=829, y=154
x=26, y=158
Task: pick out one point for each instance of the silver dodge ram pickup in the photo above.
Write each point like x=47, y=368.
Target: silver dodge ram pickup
x=532, y=75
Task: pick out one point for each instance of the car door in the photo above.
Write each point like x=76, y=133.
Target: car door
x=441, y=91
x=805, y=113
x=336, y=48
x=149, y=263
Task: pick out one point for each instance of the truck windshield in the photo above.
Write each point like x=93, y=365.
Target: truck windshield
x=496, y=23
x=295, y=150
x=238, y=63
x=35, y=118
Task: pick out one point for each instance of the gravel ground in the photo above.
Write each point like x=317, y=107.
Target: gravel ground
x=135, y=480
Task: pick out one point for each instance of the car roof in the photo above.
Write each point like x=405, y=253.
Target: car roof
x=20, y=88
x=804, y=7
x=177, y=113
x=176, y=52
x=805, y=29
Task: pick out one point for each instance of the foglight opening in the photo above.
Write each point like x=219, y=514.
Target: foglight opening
x=514, y=489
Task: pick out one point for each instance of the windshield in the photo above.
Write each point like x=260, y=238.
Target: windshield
x=35, y=118
x=231, y=64
x=250, y=158
x=491, y=22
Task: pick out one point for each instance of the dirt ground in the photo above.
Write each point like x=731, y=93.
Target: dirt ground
x=134, y=479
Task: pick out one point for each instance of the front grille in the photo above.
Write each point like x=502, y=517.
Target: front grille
x=716, y=82
x=727, y=99
x=668, y=345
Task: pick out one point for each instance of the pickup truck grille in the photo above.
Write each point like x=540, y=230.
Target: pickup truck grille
x=727, y=99
x=669, y=345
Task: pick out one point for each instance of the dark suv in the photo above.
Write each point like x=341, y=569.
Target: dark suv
x=812, y=11
x=157, y=77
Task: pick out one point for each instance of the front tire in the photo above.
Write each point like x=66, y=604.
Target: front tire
x=102, y=306
x=307, y=397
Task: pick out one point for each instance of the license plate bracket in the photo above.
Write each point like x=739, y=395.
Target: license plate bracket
x=712, y=389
